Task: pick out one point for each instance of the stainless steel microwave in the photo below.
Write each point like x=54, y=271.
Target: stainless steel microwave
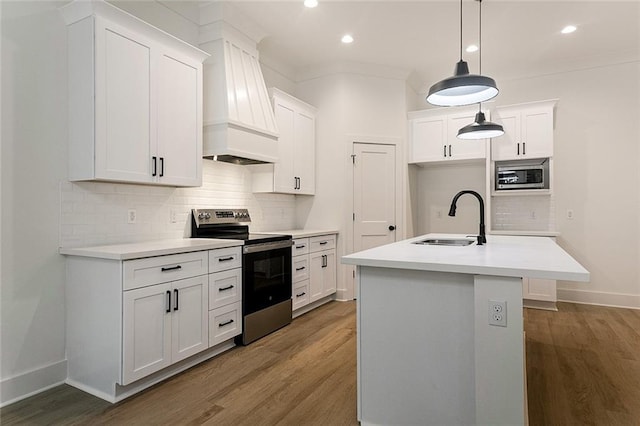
x=522, y=174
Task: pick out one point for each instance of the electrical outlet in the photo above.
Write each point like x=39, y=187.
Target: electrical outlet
x=570, y=214
x=173, y=216
x=132, y=216
x=439, y=214
x=533, y=214
x=498, y=313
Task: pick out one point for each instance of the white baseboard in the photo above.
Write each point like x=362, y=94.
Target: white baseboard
x=16, y=388
x=618, y=300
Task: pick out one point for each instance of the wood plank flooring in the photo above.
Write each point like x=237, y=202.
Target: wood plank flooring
x=583, y=368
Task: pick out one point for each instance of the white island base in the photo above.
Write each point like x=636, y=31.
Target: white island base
x=427, y=355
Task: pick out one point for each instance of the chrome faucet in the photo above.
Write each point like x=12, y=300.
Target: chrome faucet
x=482, y=239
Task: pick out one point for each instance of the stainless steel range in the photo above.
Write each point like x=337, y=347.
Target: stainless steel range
x=266, y=269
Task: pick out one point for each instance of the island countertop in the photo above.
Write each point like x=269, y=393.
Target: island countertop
x=509, y=256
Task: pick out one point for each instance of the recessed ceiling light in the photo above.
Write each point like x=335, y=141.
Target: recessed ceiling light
x=347, y=38
x=310, y=3
x=472, y=48
x=568, y=29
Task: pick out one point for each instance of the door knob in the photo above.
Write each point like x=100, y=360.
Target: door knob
x=392, y=228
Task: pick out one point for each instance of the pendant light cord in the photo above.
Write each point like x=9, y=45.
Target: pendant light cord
x=461, y=30
x=480, y=46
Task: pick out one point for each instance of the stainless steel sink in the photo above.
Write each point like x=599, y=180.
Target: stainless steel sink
x=445, y=242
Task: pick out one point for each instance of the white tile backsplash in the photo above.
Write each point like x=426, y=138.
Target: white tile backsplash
x=95, y=213
x=523, y=213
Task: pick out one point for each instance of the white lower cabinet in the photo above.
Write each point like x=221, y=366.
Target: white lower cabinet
x=132, y=323
x=313, y=269
x=163, y=324
x=322, y=281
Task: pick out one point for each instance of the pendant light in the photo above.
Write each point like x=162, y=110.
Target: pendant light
x=462, y=88
x=480, y=128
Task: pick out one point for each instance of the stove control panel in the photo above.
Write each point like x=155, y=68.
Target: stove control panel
x=220, y=216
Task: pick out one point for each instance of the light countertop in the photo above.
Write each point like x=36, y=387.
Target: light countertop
x=527, y=233
x=302, y=233
x=150, y=248
x=510, y=256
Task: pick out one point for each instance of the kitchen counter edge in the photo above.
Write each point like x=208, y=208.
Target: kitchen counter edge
x=301, y=233
x=149, y=248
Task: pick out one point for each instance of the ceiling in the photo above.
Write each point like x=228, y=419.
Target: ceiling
x=519, y=38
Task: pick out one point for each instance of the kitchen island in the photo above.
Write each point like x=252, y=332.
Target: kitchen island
x=427, y=353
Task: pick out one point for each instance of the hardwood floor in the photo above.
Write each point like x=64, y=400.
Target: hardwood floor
x=583, y=365
x=583, y=368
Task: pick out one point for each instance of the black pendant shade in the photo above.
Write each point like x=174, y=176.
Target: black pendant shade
x=462, y=88
x=480, y=129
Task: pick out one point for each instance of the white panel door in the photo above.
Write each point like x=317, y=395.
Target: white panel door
x=147, y=331
x=329, y=273
x=505, y=147
x=537, y=133
x=304, y=160
x=179, y=127
x=316, y=276
x=461, y=149
x=283, y=169
x=124, y=95
x=374, y=183
x=428, y=139
x=190, y=317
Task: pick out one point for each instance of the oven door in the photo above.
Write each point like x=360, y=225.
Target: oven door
x=266, y=273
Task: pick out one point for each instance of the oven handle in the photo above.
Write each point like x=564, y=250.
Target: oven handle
x=255, y=248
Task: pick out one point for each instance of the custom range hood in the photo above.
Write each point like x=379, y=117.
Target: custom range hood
x=239, y=125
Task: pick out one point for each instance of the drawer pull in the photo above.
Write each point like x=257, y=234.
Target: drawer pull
x=323, y=242
x=301, y=294
x=224, y=259
x=222, y=324
x=299, y=247
x=225, y=288
x=172, y=268
x=301, y=268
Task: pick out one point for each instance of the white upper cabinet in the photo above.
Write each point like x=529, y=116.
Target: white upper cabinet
x=433, y=136
x=294, y=172
x=528, y=131
x=135, y=100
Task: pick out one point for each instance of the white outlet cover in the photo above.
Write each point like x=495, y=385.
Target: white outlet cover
x=498, y=313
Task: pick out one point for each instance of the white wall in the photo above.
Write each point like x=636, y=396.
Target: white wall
x=348, y=104
x=41, y=210
x=33, y=163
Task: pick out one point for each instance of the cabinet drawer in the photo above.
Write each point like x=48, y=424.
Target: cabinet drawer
x=154, y=270
x=225, y=323
x=322, y=242
x=300, y=246
x=224, y=288
x=226, y=258
x=300, y=294
x=300, y=268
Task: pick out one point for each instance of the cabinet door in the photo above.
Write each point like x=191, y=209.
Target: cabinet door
x=539, y=289
x=179, y=154
x=316, y=276
x=283, y=176
x=461, y=149
x=505, y=147
x=428, y=139
x=537, y=133
x=190, y=317
x=329, y=284
x=146, y=346
x=304, y=153
x=123, y=96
